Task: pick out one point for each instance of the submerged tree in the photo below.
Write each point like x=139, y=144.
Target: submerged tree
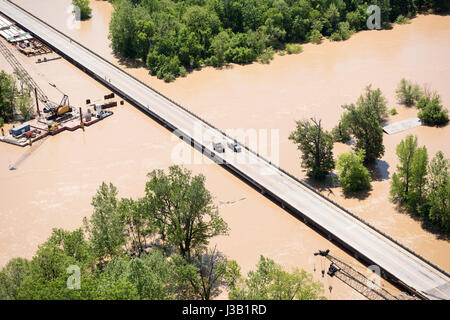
x=408, y=93
x=373, y=100
x=431, y=111
x=105, y=227
x=353, y=176
x=363, y=121
x=206, y=276
x=416, y=196
x=365, y=126
x=316, y=146
x=83, y=7
x=401, y=180
x=438, y=191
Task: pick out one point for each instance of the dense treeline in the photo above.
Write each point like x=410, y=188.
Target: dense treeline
x=174, y=36
x=155, y=247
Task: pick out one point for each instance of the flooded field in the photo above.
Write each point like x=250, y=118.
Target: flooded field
x=53, y=186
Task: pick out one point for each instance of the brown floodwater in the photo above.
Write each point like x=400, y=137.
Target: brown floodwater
x=55, y=181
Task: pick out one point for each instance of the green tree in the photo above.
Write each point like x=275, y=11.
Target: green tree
x=48, y=276
x=137, y=224
x=12, y=276
x=374, y=100
x=105, y=227
x=220, y=45
x=316, y=146
x=363, y=121
x=431, y=111
x=364, y=124
x=332, y=14
x=7, y=96
x=341, y=132
x=415, y=200
x=270, y=282
x=353, y=176
x=315, y=36
x=122, y=29
x=149, y=277
x=401, y=180
x=83, y=6
x=182, y=209
x=408, y=93
x=206, y=276
x=24, y=103
x=438, y=191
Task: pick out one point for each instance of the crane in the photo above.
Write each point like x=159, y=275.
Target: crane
x=356, y=280
x=62, y=108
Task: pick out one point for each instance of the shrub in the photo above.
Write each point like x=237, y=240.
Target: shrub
x=267, y=55
x=292, y=48
x=408, y=93
x=315, y=36
x=343, y=33
x=402, y=20
x=183, y=71
x=393, y=112
x=168, y=77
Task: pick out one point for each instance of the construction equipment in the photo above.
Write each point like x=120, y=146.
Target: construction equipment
x=61, y=108
x=356, y=280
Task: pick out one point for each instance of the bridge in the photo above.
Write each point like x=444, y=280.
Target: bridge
x=369, y=245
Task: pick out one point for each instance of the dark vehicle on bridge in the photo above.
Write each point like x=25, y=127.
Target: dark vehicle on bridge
x=233, y=145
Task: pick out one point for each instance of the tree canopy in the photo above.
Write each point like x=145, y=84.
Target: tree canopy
x=420, y=186
x=174, y=36
x=363, y=121
x=270, y=282
x=353, y=176
x=14, y=100
x=83, y=7
x=122, y=254
x=316, y=146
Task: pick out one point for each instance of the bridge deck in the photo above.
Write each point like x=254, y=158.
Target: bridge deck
x=408, y=268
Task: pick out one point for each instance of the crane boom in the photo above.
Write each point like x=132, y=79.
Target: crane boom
x=354, y=279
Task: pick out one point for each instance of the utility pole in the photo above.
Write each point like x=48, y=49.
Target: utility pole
x=37, y=102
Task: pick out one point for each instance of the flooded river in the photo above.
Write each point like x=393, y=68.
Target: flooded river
x=53, y=185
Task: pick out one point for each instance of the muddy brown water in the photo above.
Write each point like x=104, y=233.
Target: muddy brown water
x=53, y=186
